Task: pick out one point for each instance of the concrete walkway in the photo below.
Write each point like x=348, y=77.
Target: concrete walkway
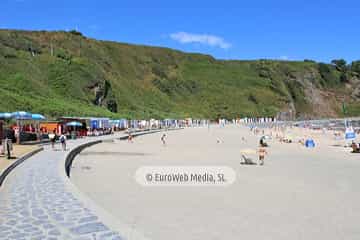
x=37, y=201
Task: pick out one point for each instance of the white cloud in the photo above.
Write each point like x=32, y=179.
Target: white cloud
x=206, y=39
x=284, y=58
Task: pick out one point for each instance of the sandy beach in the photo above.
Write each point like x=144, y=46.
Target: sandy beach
x=19, y=150
x=299, y=193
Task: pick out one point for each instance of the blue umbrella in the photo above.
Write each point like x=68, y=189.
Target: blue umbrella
x=5, y=115
x=21, y=115
x=37, y=117
x=74, y=124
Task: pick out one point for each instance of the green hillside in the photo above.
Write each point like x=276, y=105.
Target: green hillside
x=65, y=73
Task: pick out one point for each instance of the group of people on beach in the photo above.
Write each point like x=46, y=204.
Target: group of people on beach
x=131, y=137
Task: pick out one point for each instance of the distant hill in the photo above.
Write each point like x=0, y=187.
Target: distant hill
x=65, y=73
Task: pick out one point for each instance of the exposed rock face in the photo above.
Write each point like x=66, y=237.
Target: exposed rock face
x=103, y=96
x=320, y=101
x=355, y=86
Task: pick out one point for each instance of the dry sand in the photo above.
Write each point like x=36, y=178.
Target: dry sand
x=18, y=151
x=299, y=194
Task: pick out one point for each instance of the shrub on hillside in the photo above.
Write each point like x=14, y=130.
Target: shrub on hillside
x=328, y=75
x=355, y=66
x=77, y=33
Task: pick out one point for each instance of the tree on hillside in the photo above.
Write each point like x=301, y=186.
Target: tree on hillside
x=327, y=73
x=340, y=64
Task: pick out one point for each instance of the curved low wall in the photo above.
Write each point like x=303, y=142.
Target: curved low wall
x=71, y=156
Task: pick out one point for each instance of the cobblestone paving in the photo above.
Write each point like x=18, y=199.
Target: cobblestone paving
x=35, y=204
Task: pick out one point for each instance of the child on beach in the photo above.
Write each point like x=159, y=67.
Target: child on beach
x=130, y=138
x=262, y=152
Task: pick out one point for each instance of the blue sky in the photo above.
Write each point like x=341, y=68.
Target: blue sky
x=278, y=29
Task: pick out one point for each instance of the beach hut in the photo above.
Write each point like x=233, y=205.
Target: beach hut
x=143, y=124
x=118, y=124
x=99, y=123
x=79, y=130
x=133, y=124
x=114, y=124
x=169, y=122
x=154, y=123
x=94, y=124
x=50, y=126
x=99, y=126
x=104, y=123
x=123, y=123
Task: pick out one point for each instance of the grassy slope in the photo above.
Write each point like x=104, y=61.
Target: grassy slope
x=144, y=81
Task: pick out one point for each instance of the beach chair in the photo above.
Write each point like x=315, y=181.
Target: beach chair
x=247, y=160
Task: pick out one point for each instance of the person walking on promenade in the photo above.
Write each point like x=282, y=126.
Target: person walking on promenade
x=262, y=152
x=63, y=141
x=8, y=146
x=52, y=137
x=163, y=139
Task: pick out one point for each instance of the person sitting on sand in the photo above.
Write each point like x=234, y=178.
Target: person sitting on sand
x=355, y=147
x=262, y=152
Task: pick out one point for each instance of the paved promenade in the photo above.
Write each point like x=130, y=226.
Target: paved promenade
x=37, y=201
